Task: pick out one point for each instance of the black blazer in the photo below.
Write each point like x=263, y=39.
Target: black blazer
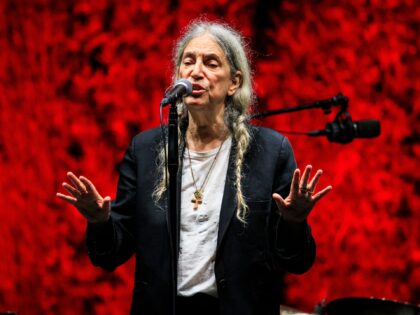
x=250, y=259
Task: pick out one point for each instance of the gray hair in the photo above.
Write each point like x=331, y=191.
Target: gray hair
x=232, y=44
x=237, y=106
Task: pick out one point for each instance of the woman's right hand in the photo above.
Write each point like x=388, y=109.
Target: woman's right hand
x=87, y=200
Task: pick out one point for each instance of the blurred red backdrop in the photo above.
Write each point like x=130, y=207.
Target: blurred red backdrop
x=80, y=78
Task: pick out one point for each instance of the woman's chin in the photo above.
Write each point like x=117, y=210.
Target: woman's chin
x=195, y=103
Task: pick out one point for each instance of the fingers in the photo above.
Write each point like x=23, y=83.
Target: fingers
x=295, y=182
x=90, y=187
x=69, y=199
x=305, y=177
x=312, y=184
x=322, y=193
x=73, y=191
x=76, y=182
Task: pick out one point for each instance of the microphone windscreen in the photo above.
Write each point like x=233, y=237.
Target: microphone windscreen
x=186, y=83
x=369, y=128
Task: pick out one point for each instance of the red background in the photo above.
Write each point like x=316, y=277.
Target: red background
x=80, y=78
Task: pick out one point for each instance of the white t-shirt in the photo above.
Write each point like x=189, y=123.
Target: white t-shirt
x=199, y=228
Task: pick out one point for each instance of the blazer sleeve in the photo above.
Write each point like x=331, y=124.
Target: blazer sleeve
x=112, y=244
x=294, y=246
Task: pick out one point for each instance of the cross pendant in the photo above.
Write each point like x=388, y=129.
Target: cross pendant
x=197, y=199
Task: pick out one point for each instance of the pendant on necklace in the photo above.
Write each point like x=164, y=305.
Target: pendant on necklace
x=197, y=199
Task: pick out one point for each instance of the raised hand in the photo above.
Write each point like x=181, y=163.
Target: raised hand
x=87, y=200
x=301, y=199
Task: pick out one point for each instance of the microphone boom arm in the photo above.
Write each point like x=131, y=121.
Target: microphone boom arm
x=342, y=130
x=325, y=105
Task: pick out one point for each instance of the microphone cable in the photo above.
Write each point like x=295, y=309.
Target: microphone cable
x=163, y=139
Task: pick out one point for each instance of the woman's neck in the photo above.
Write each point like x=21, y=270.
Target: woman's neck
x=206, y=132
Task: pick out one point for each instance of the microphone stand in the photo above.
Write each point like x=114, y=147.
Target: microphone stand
x=181, y=88
x=325, y=105
x=173, y=211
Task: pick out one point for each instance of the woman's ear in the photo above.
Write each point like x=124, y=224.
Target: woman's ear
x=236, y=83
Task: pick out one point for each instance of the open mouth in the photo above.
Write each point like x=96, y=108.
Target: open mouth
x=197, y=89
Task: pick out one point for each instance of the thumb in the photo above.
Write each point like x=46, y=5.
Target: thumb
x=281, y=204
x=106, y=205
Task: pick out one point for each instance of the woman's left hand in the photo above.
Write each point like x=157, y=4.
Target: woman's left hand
x=297, y=206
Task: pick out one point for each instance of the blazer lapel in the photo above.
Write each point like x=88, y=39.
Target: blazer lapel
x=229, y=199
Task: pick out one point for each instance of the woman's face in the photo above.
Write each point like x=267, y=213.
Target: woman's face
x=204, y=63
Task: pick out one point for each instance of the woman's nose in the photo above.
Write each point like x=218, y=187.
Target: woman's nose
x=197, y=71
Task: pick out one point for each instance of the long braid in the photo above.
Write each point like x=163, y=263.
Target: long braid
x=160, y=186
x=237, y=120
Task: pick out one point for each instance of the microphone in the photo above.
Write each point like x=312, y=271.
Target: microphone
x=344, y=131
x=182, y=87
